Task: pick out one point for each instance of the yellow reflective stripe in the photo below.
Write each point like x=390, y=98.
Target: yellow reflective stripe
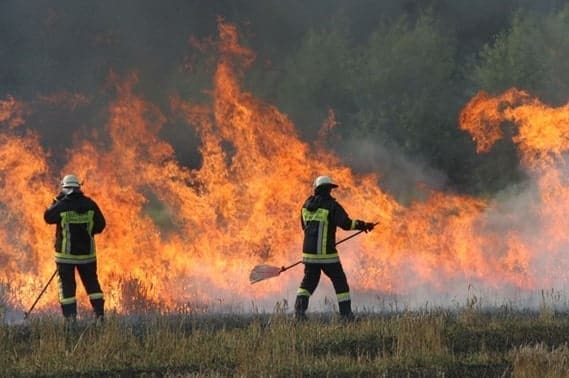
x=312, y=256
x=60, y=289
x=353, y=226
x=302, y=292
x=323, y=261
x=69, y=256
x=91, y=215
x=64, y=234
x=96, y=295
x=343, y=297
x=74, y=217
x=320, y=215
x=69, y=300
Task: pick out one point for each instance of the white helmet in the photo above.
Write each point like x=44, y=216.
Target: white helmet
x=324, y=180
x=70, y=181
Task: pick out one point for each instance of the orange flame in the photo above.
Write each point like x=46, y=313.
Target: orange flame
x=11, y=112
x=542, y=132
x=541, y=135
x=178, y=237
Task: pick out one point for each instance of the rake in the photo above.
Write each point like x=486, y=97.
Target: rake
x=263, y=272
x=26, y=314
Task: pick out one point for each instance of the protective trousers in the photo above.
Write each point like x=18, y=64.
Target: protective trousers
x=312, y=272
x=67, y=288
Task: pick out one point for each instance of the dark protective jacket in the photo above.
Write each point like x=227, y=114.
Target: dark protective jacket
x=77, y=219
x=320, y=215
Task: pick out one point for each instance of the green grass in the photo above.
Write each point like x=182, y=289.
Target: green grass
x=421, y=344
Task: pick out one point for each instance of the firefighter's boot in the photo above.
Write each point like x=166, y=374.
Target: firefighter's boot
x=346, y=311
x=99, y=309
x=70, y=324
x=300, y=307
x=69, y=310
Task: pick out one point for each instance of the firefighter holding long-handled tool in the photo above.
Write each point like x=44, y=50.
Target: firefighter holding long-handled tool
x=77, y=219
x=321, y=214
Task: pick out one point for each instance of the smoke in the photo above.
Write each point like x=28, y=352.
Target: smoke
x=404, y=178
x=65, y=47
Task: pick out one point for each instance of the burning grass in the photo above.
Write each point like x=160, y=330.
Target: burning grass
x=180, y=234
x=434, y=343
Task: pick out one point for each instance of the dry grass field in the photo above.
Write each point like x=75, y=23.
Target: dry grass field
x=441, y=343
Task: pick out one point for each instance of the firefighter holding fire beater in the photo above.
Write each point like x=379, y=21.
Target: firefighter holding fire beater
x=320, y=215
x=77, y=219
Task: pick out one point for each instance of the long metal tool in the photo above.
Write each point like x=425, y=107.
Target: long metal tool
x=263, y=272
x=26, y=314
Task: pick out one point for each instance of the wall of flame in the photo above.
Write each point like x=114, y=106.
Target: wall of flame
x=241, y=206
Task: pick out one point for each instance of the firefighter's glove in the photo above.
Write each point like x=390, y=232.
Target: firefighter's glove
x=369, y=226
x=364, y=226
